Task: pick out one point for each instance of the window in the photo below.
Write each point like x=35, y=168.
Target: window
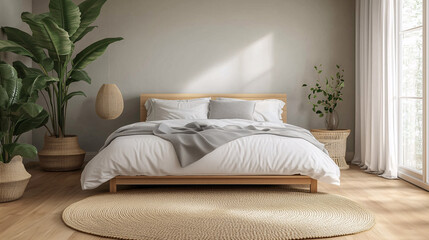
x=411, y=88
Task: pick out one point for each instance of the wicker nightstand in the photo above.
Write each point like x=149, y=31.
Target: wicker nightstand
x=335, y=142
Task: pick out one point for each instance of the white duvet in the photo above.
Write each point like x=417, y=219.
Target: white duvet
x=253, y=155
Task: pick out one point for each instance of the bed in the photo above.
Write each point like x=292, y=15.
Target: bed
x=214, y=169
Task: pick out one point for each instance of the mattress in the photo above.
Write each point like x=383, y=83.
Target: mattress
x=252, y=155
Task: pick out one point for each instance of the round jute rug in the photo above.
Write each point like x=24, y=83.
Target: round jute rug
x=217, y=213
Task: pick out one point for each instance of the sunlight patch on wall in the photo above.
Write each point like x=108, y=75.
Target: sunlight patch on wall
x=244, y=67
x=257, y=58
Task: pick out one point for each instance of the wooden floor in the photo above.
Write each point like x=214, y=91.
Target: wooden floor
x=401, y=209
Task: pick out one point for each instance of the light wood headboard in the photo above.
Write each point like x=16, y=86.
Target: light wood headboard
x=177, y=96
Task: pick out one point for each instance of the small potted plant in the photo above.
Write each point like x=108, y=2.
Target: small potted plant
x=325, y=95
x=18, y=114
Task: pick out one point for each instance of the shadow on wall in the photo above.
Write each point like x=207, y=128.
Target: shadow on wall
x=102, y=128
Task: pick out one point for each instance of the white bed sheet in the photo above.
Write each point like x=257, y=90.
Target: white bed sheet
x=253, y=155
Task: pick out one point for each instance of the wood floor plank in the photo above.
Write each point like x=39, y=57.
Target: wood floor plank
x=400, y=208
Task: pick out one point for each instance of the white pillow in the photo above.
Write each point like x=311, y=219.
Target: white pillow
x=267, y=110
x=160, y=109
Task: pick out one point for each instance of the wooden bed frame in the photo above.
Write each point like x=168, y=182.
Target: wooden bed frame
x=212, y=179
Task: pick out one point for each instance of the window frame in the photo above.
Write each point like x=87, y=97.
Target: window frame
x=411, y=175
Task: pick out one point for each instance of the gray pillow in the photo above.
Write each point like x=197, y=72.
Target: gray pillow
x=219, y=109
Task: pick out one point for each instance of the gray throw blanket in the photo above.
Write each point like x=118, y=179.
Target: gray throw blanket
x=195, y=140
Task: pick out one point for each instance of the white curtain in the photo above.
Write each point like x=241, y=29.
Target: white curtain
x=376, y=134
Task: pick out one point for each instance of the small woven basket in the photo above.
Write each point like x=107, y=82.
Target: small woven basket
x=13, y=179
x=335, y=142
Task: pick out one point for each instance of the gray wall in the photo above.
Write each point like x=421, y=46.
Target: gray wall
x=10, y=15
x=222, y=46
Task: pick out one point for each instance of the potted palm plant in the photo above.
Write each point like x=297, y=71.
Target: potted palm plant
x=325, y=95
x=18, y=114
x=51, y=47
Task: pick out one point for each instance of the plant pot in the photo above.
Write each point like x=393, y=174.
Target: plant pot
x=61, y=154
x=332, y=120
x=13, y=179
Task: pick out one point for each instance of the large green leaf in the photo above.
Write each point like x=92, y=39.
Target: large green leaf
x=30, y=109
x=22, y=149
x=72, y=94
x=26, y=40
x=24, y=71
x=78, y=75
x=27, y=124
x=86, y=31
x=32, y=80
x=9, y=46
x=92, y=52
x=10, y=82
x=89, y=11
x=33, y=84
x=66, y=14
x=47, y=34
x=4, y=98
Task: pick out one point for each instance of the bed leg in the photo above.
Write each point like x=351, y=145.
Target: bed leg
x=313, y=186
x=113, y=185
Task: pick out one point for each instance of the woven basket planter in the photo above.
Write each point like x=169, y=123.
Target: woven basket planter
x=61, y=154
x=335, y=142
x=13, y=179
